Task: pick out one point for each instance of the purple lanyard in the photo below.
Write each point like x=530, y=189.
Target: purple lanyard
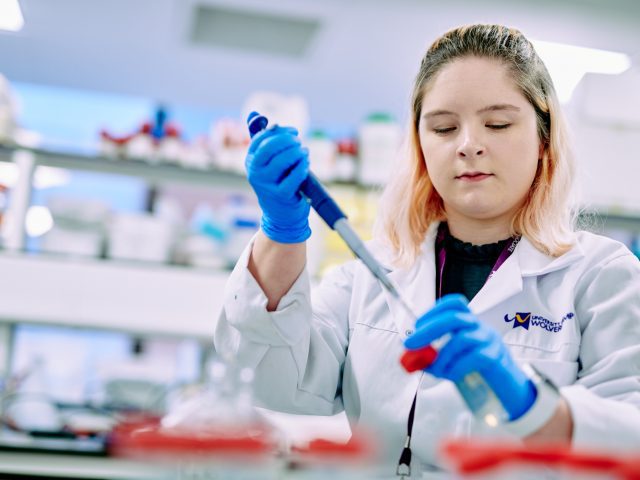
x=442, y=255
x=404, y=464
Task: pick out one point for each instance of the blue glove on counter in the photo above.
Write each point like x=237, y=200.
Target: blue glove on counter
x=276, y=166
x=472, y=347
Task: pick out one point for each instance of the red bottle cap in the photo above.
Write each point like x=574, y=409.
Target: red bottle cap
x=414, y=360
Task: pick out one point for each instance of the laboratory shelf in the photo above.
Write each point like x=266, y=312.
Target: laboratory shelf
x=161, y=173
x=131, y=297
x=155, y=173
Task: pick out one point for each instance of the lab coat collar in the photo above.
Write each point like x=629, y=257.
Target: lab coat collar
x=417, y=283
x=533, y=262
x=526, y=261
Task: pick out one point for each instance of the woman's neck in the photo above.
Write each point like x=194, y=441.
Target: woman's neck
x=479, y=232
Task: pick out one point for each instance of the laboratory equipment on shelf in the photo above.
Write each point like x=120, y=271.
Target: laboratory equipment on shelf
x=379, y=140
x=479, y=397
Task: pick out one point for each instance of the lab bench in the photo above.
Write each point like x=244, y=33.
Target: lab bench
x=68, y=466
x=23, y=465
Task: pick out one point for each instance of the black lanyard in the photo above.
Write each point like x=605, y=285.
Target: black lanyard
x=404, y=464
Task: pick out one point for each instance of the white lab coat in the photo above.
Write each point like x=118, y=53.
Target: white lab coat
x=340, y=347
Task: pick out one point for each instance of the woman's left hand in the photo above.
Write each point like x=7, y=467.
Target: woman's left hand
x=472, y=347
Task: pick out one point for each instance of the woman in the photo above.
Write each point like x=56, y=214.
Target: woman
x=481, y=209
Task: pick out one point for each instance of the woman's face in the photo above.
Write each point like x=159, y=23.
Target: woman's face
x=479, y=139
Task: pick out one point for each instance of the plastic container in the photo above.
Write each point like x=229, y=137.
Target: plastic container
x=212, y=433
x=228, y=144
x=140, y=146
x=138, y=236
x=346, y=160
x=78, y=228
x=242, y=219
x=379, y=139
x=75, y=242
x=322, y=155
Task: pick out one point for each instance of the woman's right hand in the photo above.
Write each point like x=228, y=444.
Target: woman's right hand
x=276, y=165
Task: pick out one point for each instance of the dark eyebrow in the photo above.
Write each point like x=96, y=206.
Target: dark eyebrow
x=490, y=108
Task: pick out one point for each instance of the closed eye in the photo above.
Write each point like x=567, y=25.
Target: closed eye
x=499, y=126
x=441, y=131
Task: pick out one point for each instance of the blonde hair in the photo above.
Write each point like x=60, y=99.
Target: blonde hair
x=410, y=203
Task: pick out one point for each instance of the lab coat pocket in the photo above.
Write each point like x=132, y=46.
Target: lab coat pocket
x=561, y=373
x=372, y=311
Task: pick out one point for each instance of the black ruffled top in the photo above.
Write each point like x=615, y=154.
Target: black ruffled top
x=467, y=266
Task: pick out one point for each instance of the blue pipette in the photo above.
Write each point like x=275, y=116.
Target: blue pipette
x=334, y=217
x=474, y=389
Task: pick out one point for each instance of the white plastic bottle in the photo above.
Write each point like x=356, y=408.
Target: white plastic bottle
x=322, y=155
x=379, y=139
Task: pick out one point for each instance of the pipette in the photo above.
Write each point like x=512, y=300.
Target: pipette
x=335, y=218
x=478, y=395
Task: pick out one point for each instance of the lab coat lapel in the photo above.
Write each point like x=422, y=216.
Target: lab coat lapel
x=526, y=261
x=533, y=262
x=416, y=284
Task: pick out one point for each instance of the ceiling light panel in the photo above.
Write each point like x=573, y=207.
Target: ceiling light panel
x=252, y=31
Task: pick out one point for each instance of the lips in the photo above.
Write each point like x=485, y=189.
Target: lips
x=473, y=176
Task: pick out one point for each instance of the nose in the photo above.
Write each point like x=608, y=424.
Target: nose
x=470, y=146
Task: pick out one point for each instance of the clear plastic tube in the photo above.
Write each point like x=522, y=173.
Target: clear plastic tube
x=481, y=400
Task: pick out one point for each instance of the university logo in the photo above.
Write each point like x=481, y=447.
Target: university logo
x=526, y=320
x=521, y=319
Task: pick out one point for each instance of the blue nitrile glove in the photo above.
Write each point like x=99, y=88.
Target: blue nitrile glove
x=276, y=166
x=472, y=347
